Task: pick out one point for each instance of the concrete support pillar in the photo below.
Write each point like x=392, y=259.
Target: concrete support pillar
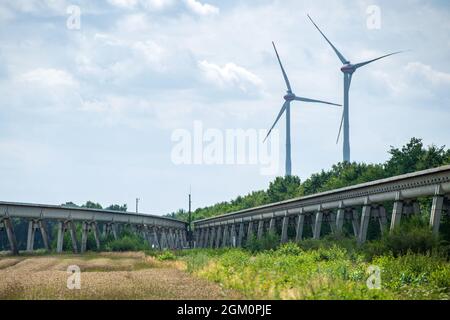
x=84, y=236
x=199, y=235
x=212, y=237
x=436, y=213
x=313, y=223
x=156, y=244
x=272, y=225
x=164, y=240
x=176, y=239
x=205, y=242
x=114, y=230
x=355, y=223
x=60, y=238
x=7, y=224
x=184, y=238
x=31, y=235
x=73, y=236
x=218, y=237
x=299, y=227
x=240, y=235
x=44, y=235
x=284, y=229
x=225, y=236
x=260, y=229
x=340, y=217
x=397, y=212
x=233, y=236
x=171, y=239
x=365, y=218
x=250, y=231
x=382, y=219
x=318, y=224
x=332, y=221
x=94, y=226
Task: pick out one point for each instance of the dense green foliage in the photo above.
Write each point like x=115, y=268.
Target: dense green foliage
x=329, y=270
x=414, y=156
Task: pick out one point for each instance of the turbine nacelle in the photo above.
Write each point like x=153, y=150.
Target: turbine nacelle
x=348, y=68
x=289, y=96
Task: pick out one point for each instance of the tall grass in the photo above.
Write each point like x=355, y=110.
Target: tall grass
x=412, y=261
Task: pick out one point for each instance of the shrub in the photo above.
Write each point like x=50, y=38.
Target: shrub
x=413, y=235
x=269, y=241
x=166, y=256
x=289, y=248
x=127, y=243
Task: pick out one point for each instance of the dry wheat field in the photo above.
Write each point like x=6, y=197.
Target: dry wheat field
x=103, y=276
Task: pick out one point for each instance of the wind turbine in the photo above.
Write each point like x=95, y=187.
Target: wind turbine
x=347, y=69
x=289, y=97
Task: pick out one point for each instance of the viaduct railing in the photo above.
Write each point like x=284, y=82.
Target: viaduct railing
x=352, y=206
x=160, y=232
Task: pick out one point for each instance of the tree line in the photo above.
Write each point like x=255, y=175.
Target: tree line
x=412, y=157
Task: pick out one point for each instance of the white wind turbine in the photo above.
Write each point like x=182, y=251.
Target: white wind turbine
x=289, y=97
x=347, y=69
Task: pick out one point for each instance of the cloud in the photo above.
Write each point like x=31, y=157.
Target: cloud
x=434, y=77
x=201, y=9
x=129, y=4
x=146, y=4
x=49, y=78
x=230, y=75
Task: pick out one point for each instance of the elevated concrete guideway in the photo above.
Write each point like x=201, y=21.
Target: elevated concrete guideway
x=356, y=204
x=160, y=232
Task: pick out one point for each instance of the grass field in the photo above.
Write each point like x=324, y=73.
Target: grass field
x=104, y=276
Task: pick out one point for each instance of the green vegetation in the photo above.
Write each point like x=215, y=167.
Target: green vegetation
x=332, y=268
x=126, y=242
x=414, y=156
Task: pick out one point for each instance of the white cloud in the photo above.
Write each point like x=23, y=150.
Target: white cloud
x=147, y=4
x=49, y=77
x=201, y=9
x=156, y=4
x=129, y=4
x=230, y=75
x=435, y=77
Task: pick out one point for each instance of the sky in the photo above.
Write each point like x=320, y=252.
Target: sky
x=94, y=92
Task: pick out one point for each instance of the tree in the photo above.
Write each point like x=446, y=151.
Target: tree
x=92, y=205
x=116, y=207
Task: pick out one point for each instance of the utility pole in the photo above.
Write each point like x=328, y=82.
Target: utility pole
x=190, y=219
x=137, y=205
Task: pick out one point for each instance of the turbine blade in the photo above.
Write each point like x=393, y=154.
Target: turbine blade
x=362, y=64
x=340, y=56
x=316, y=101
x=288, y=85
x=340, y=128
x=283, y=109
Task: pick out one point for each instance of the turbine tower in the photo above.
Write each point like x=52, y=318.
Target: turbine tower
x=347, y=69
x=289, y=97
